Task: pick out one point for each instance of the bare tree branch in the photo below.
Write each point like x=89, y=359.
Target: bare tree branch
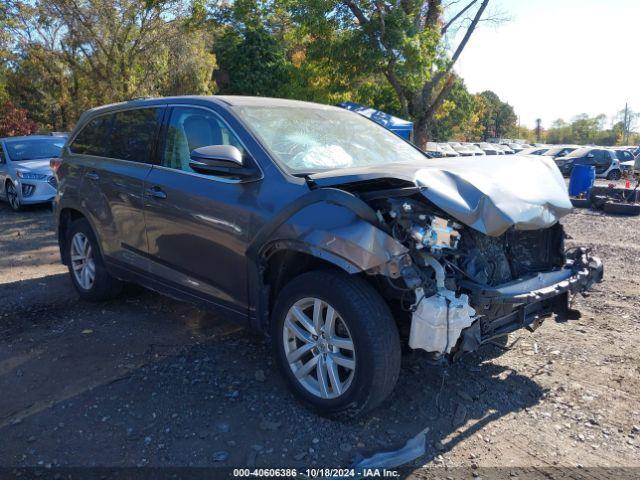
x=456, y=17
x=427, y=91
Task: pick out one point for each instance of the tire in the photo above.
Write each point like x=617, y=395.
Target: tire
x=598, y=201
x=103, y=286
x=622, y=208
x=362, y=316
x=12, y=197
x=614, y=175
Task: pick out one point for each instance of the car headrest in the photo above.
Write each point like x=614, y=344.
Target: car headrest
x=201, y=132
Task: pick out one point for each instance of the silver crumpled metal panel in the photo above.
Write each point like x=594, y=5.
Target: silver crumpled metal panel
x=490, y=193
x=494, y=193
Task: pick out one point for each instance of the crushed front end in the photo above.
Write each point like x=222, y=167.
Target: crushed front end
x=463, y=288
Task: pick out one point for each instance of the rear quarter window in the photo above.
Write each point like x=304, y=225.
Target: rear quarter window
x=93, y=139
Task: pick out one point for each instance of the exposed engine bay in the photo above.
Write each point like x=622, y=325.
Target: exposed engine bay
x=463, y=287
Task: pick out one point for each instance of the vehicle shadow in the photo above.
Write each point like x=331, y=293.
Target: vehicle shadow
x=453, y=402
x=146, y=380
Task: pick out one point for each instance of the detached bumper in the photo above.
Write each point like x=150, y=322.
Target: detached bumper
x=532, y=299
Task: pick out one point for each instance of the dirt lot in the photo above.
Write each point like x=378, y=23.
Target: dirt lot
x=145, y=380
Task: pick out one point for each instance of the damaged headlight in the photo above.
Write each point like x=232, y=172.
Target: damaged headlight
x=440, y=234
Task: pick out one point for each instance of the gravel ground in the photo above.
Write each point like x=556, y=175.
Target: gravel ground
x=145, y=380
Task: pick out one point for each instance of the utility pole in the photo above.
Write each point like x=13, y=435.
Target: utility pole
x=625, y=123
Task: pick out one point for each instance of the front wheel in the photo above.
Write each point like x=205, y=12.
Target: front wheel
x=12, y=197
x=336, y=343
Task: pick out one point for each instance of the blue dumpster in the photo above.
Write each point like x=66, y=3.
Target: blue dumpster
x=581, y=181
x=400, y=127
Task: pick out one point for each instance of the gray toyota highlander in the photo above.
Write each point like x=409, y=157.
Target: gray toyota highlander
x=319, y=228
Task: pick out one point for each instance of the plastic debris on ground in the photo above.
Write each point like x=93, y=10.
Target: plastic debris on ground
x=414, y=448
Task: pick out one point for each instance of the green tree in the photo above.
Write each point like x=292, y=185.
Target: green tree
x=403, y=43
x=251, y=61
x=456, y=112
x=69, y=55
x=499, y=117
x=586, y=130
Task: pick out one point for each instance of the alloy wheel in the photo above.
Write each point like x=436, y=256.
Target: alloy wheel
x=12, y=196
x=84, y=267
x=319, y=348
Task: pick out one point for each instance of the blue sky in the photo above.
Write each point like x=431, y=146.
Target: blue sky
x=558, y=58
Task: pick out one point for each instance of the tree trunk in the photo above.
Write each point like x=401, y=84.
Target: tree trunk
x=421, y=132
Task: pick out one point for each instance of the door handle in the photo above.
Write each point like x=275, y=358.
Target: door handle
x=92, y=176
x=156, y=192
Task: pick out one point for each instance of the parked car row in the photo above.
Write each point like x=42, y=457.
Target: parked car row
x=610, y=163
x=467, y=149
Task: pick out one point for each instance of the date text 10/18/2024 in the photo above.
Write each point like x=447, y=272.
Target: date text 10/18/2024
x=316, y=472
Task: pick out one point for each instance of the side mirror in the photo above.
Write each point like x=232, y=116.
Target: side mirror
x=223, y=160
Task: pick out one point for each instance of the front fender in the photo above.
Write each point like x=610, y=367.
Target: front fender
x=333, y=225
x=329, y=224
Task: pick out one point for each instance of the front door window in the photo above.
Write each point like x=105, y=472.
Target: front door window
x=190, y=128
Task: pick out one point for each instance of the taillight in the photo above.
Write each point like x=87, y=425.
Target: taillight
x=55, y=164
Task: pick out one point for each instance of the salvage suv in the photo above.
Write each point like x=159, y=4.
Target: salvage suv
x=318, y=227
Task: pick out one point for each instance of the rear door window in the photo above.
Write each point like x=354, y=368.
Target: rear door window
x=134, y=134
x=93, y=139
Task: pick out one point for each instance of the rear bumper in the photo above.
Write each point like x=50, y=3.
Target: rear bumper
x=532, y=299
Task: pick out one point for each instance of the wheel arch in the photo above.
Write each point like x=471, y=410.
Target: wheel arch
x=66, y=217
x=285, y=260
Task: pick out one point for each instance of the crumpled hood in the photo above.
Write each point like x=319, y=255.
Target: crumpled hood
x=35, y=166
x=490, y=194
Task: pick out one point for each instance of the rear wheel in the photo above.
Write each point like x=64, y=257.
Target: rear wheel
x=614, y=175
x=336, y=343
x=88, y=272
x=12, y=197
